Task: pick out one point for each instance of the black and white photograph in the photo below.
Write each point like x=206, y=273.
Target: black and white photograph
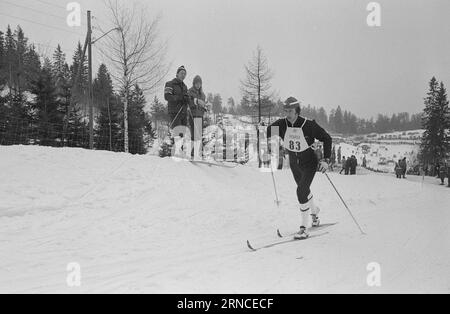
x=227, y=154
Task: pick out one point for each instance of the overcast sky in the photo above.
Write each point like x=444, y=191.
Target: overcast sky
x=321, y=51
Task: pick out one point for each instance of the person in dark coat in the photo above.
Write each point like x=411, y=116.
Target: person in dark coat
x=348, y=164
x=398, y=170
x=448, y=173
x=436, y=170
x=343, y=164
x=443, y=173
x=197, y=109
x=404, y=167
x=353, y=165
x=176, y=95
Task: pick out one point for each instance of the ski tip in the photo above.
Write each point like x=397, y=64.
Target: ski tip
x=250, y=246
x=279, y=233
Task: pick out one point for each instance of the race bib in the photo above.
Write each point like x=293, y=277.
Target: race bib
x=295, y=141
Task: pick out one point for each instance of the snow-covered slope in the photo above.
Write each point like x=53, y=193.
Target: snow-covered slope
x=381, y=157
x=145, y=224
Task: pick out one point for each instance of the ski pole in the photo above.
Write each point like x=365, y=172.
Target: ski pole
x=277, y=201
x=349, y=211
x=173, y=121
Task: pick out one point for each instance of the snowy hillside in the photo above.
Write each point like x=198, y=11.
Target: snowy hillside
x=145, y=224
x=381, y=157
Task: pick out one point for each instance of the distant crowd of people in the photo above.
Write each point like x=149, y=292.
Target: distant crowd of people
x=349, y=165
x=400, y=168
x=440, y=170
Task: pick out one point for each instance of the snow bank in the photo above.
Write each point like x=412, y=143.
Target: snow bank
x=145, y=224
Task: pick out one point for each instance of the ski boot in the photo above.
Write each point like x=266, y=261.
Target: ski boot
x=315, y=221
x=315, y=217
x=302, y=234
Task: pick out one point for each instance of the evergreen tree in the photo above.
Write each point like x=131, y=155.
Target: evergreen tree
x=32, y=67
x=61, y=80
x=158, y=111
x=322, y=118
x=338, y=120
x=246, y=107
x=138, y=122
x=331, y=120
x=79, y=82
x=76, y=129
x=216, y=105
x=108, y=130
x=59, y=65
x=20, y=56
x=9, y=58
x=231, y=106
x=48, y=114
x=436, y=122
x=2, y=60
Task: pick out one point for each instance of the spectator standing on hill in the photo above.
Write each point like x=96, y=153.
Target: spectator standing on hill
x=436, y=170
x=348, y=164
x=443, y=173
x=176, y=94
x=197, y=108
x=398, y=170
x=403, y=165
x=448, y=173
x=343, y=165
x=353, y=165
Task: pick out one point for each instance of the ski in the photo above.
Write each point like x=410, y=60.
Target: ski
x=210, y=164
x=314, y=229
x=273, y=244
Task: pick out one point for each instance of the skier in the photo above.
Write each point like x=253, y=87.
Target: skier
x=176, y=94
x=298, y=135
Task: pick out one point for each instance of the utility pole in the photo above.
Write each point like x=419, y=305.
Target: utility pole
x=90, y=97
x=10, y=86
x=109, y=118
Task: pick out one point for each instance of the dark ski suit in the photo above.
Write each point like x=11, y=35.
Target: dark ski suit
x=304, y=164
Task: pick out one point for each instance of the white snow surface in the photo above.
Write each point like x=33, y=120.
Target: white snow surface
x=142, y=224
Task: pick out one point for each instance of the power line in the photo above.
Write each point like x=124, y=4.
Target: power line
x=34, y=10
x=51, y=4
x=42, y=24
x=50, y=46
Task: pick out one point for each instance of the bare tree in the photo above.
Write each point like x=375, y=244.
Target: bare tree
x=135, y=51
x=256, y=85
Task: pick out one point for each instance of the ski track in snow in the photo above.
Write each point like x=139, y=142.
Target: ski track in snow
x=145, y=224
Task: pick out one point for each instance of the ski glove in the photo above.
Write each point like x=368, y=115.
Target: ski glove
x=324, y=166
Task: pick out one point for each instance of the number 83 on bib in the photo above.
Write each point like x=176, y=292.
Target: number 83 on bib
x=295, y=140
